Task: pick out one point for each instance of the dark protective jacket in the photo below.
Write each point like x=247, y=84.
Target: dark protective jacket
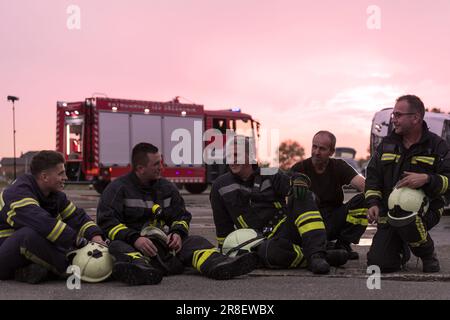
x=126, y=206
x=54, y=217
x=391, y=159
x=256, y=203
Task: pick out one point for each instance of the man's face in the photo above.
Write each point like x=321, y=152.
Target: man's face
x=241, y=164
x=403, y=118
x=53, y=179
x=152, y=170
x=321, y=149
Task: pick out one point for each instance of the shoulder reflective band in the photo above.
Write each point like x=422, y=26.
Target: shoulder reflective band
x=68, y=211
x=56, y=231
x=138, y=203
x=373, y=193
x=113, y=232
x=233, y=187
x=19, y=204
x=444, y=184
x=86, y=226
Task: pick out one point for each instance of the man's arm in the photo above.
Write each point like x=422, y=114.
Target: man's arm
x=374, y=185
x=359, y=183
x=222, y=220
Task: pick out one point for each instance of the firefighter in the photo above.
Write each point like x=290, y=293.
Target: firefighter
x=413, y=157
x=347, y=222
x=255, y=198
x=131, y=211
x=39, y=225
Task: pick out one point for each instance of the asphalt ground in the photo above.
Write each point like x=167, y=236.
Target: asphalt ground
x=349, y=282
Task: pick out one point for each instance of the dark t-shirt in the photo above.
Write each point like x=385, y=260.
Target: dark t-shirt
x=328, y=185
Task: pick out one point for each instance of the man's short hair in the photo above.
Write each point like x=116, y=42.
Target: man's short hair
x=415, y=104
x=331, y=136
x=139, y=154
x=45, y=159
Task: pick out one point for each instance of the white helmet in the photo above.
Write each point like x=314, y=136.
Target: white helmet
x=94, y=260
x=405, y=204
x=241, y=240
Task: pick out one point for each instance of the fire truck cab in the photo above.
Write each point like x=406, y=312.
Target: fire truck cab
x=97, y=135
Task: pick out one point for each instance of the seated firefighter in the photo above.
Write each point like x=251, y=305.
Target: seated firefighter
x=39, y=225
x=146, y=220
x=293, y=234
x=347, y=222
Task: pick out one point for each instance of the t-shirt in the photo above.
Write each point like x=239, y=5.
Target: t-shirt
x=328, y=185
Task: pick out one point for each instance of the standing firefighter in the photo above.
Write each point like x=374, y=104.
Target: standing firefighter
x=38, y=224
x=410, y=157
x=246, y=198
x=145, y=218
x=347, y=222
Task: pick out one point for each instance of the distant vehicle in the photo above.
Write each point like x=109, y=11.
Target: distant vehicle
x=97, y=135
x=348, y=155
x=439, y=123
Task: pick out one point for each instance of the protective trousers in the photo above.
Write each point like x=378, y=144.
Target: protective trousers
x=26, y=246
x=389, y=243
x=347, y=222
x=296, y=237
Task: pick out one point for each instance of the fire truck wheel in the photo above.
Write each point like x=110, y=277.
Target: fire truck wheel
x=100, y=185
x=195, y=188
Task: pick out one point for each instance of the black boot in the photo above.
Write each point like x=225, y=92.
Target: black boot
x=336, y=257
x=220, y=267
x=32, y=274
x=135, y=274
x=352, y=255
x=430, y=264
x=317, y=263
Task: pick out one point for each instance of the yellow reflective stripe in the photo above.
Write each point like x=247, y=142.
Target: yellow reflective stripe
x=19, y=204
x=306, y=216
x=68, y=211
x=277, y=205
x=242, y=222
x=181, y=222
x=298, y=257
x=311, y=226
x=354, y=217
x=57, y=230
x=422, y=232
x=113, y=232
x=6, y=233
x=444, y=184
x=2, y=203
x=423, y=159
x=86, y=226
x=390, y=157
x=220, y=240
x=276, y=228
x=373, y=193
x=200, y=256
x=135, y=255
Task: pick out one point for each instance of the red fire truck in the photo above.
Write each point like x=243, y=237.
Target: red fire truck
x=97, y=135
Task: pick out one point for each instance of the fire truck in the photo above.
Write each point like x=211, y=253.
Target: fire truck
x=97, y=135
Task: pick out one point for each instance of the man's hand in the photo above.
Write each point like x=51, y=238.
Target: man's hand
x=146, y=246
x=98, y=239
x=373, y=213
x=413, y=180
x=174, y=242
x=300, y=185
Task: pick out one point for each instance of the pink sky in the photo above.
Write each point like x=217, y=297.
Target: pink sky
x=297, y=66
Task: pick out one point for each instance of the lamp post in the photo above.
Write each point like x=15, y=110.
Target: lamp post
x=13, y=99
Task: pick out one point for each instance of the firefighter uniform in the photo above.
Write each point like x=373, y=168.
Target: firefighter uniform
x=39, y=229
x=294, y=231
x=430, y=156
x=125, y=208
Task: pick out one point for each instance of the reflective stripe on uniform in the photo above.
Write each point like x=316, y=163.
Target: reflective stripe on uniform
x=220, y=240
x=135, y=255
x=373, y=193
x=390, y=157
x=241, y=221
x=200, y=256
x=113, y=232
x=422, y=232
x=182, y=223
x=233, y=187
x=275, y=229
x=444, y=184
x=2, y=203
x=56, y=231
x=166, y=202
x=358, y=217
x=6, y=233
x=423, y=159
x=86, y=226
x=19, y=204
x=138, y=203
x=68, y=211
x=309, y=221
x=299, y=258
x=277, y=205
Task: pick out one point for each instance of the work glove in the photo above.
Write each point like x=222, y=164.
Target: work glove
x=300, y=184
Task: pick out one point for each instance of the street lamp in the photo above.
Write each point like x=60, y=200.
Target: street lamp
x=13, y=99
